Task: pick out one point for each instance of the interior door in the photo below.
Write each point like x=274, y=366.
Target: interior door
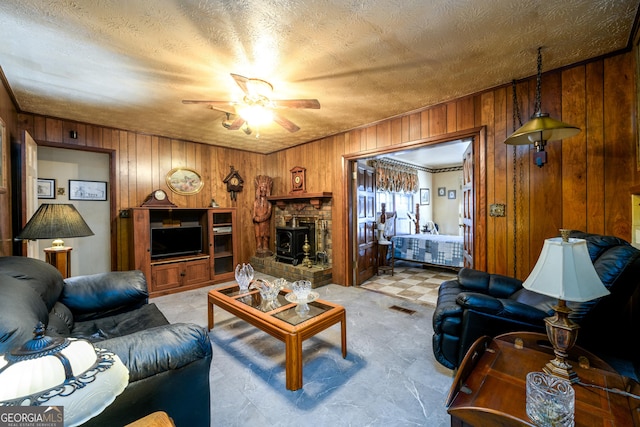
x=467, y=205
x=365, y=227
x=31, y=190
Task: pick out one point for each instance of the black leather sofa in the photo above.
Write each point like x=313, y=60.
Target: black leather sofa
x=168, y=363
x=478, y=303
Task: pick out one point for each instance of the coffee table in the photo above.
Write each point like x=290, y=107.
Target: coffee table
x=281, y=320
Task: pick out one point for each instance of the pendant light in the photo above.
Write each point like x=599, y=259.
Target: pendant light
x=541, y=128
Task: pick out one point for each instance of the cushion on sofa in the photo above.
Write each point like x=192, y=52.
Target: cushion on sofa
x=155, y=350
x=105, y=294
x=94, y=330
x=21, y=308
x=42, y=277
x=60, y=320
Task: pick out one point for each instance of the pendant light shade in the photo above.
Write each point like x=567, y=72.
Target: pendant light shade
x=541, y=127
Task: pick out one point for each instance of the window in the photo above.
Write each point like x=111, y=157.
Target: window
x=401, y=203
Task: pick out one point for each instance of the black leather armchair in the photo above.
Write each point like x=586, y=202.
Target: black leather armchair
x=479, y=303
x=168, y=363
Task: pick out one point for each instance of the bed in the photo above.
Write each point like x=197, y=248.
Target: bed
x=429, y=249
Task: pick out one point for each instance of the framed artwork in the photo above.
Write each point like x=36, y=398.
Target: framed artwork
x=442, y=191
x=46, y=188
x=87, y=190
x=425, y=197
x=4, y=146
x=452, y=194
x=184, y=181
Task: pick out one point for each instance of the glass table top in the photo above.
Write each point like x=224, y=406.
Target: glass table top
x=282, y=309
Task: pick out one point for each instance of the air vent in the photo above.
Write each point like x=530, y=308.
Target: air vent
x=402, y=309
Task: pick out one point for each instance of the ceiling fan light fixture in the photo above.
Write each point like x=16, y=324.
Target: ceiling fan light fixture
x=257, y=115
x=256, y=108
x=227, y=123
x=259, y=87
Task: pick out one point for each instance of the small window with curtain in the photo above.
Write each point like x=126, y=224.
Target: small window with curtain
x=396, y=184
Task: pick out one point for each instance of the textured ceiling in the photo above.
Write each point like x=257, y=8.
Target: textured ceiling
x=129, y=63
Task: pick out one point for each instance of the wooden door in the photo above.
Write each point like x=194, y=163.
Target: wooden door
x=367, y=244
x=31, y=188
x=467, y=205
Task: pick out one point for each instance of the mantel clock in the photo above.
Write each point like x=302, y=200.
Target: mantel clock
x=298, y=181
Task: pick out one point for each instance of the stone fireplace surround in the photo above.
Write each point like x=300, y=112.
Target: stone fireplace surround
x=314, y=208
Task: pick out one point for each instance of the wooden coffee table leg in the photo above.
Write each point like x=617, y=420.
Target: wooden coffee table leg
x=293, y=363
x=343, y=326
x=210, y=313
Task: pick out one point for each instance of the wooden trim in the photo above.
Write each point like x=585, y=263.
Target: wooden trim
x=478, y=137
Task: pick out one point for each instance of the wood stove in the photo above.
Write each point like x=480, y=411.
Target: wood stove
x=289, y=242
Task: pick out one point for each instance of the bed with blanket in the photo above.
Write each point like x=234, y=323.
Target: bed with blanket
x=429, y=249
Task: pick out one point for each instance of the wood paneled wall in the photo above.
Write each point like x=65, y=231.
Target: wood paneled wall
x=141, y=163
x=585, y=185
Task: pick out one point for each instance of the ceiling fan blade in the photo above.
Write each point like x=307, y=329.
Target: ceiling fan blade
x=241, y=81
x=236, y=124
x=285, y=123
x=224, y=106
x=296, y=103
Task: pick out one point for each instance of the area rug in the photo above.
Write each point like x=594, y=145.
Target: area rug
x=389, y=377
x=411, y=281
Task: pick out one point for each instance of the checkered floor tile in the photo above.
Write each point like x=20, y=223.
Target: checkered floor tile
x=411, y=281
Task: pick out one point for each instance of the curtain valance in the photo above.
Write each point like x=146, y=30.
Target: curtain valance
x=395, y=177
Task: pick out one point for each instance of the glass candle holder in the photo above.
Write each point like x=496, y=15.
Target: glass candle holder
x=301, y=289
x=550, y=400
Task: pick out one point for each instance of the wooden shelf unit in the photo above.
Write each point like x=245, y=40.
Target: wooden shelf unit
x=223, y=224
x=216, y=263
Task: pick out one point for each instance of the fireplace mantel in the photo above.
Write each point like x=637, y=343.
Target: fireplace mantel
x=298, y=201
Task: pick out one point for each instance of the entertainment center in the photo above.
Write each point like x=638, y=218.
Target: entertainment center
x=183, y=248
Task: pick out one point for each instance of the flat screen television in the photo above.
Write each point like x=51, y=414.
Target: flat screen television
x=176, y=241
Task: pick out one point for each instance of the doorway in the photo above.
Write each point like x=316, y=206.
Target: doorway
x=471, y=189
x=90, y=254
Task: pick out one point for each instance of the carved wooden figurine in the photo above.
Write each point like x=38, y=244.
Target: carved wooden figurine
x=262, y=215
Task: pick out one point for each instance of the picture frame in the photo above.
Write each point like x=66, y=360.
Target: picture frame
x=425, y=196
x=46, y=188
x=442, y=191
x=451, y=194
x=184, y=181
x=87, y=190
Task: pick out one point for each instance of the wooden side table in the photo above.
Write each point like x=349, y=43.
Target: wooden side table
x=490, y=386
x=155, y=419
x=60, y=258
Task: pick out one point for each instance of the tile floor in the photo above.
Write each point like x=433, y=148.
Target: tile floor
x=411, y=281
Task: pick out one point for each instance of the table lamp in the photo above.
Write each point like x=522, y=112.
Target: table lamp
x=564, y=270
x=56, y=221
x=57, y=371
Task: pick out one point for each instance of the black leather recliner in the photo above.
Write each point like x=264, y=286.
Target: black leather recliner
x=168, y=363
x=479, y=303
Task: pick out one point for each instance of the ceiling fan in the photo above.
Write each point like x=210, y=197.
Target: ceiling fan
x=257, y=108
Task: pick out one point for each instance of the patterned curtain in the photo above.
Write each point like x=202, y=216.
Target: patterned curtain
x=395, y=177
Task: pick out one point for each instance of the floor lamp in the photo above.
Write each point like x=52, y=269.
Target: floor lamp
x=56, y=221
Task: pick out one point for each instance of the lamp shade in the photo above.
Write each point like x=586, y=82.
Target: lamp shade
x=564, y=270
x=68, y=372
x=55, y=221
x=541, y=123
